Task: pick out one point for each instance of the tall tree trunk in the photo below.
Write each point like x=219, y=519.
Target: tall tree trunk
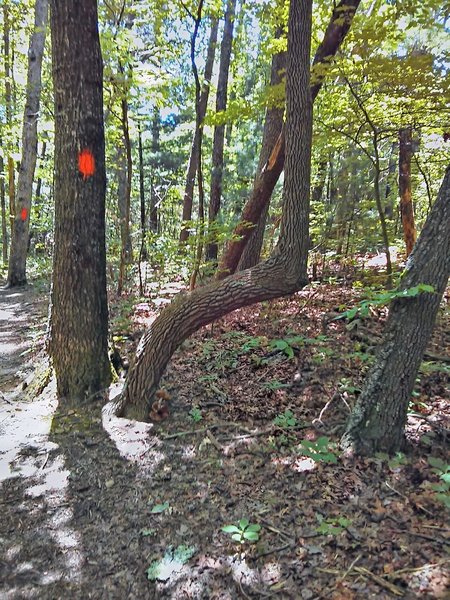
x=273, y=125
x=19, y=239
x=8, y=110
x=3, y=211
x=79, y=311
x=143, y=250
x=156, y=127
x=219, y=130
x=405, y=153
x=378, y=420
x=193, y=158
x=388, y=197
x=284, y=272
x=335, y=33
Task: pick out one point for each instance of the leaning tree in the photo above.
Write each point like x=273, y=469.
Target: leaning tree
x=378, y=420
x=78, y=341
x=283, y=273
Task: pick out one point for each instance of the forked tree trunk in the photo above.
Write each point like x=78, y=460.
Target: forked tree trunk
x=19, y=239
x=272, y=128
x=335, y=33
x=79, y=312
x=404, y=187
x=219, y=130
x=283, y=273
x=201, y=110
x=378, y=420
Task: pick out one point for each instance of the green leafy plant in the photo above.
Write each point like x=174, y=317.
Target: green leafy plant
x=332, y=526
x=322, y=450
x=442, y=469
x=243, y=532
x=362, y=309
x=171, y=564
x=285, y=420
x=160, y=508
x=274, y=385
x=196, y=414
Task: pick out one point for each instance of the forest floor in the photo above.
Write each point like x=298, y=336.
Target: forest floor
x=117, y=509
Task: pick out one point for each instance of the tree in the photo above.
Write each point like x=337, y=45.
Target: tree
x=283, y=273
x=378, y=420
x=78, y=340
x=265, y=182
x=20, y=231
x=200, y=112
x=273, y=126
x=219, y=130
x=405, y=151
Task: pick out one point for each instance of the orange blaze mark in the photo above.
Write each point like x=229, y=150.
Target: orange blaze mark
x=86, y=163
x=23, y=214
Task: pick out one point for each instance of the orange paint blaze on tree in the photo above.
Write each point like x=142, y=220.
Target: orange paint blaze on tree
x=24, y=214
x=86, y=163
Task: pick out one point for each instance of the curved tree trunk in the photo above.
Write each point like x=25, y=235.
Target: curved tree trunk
x=273, y=126
x=19, y=238
x=283, y=273
x=378, y=420
x=335, y=33
x=404, y=186
x=79, y=312
x=201, y=110
x=219, y=130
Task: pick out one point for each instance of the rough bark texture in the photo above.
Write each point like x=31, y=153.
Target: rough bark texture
x=283, y=273
x=404, y=187
x=273, y=126
x=335, y=33
x=79, y=312
x=378, y=419
x=219, y=130
x=19, y=238
x=201, y=110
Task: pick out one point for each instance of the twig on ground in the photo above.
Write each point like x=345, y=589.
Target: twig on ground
x=213, y=441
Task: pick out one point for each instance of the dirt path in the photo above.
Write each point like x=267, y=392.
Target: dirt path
x=125, y=510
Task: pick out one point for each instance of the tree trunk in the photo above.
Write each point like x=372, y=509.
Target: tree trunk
x=78, y=340
x=335, y=33
x=143, y=250
x=8, y=110
x=272, y=128
x=193, y=158
x=19, y=239
x=404, y=185
x=156, y=126
x=283, y=273
x=3, y=211
x=378, y=420
x=219, y=130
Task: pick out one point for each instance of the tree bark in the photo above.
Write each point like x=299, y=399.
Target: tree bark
x=78, y=340
x=335, y=33
x=273, y=126
x=19, y=239
x=378, y=420
x=8, y=110
x=404, y=185
x=3, y=211
x=283, y=273
x=219, y=130
x=156, y=125
x=201, y=110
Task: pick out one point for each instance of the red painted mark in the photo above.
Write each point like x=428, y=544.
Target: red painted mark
x=23, y=214
x=86, y=163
